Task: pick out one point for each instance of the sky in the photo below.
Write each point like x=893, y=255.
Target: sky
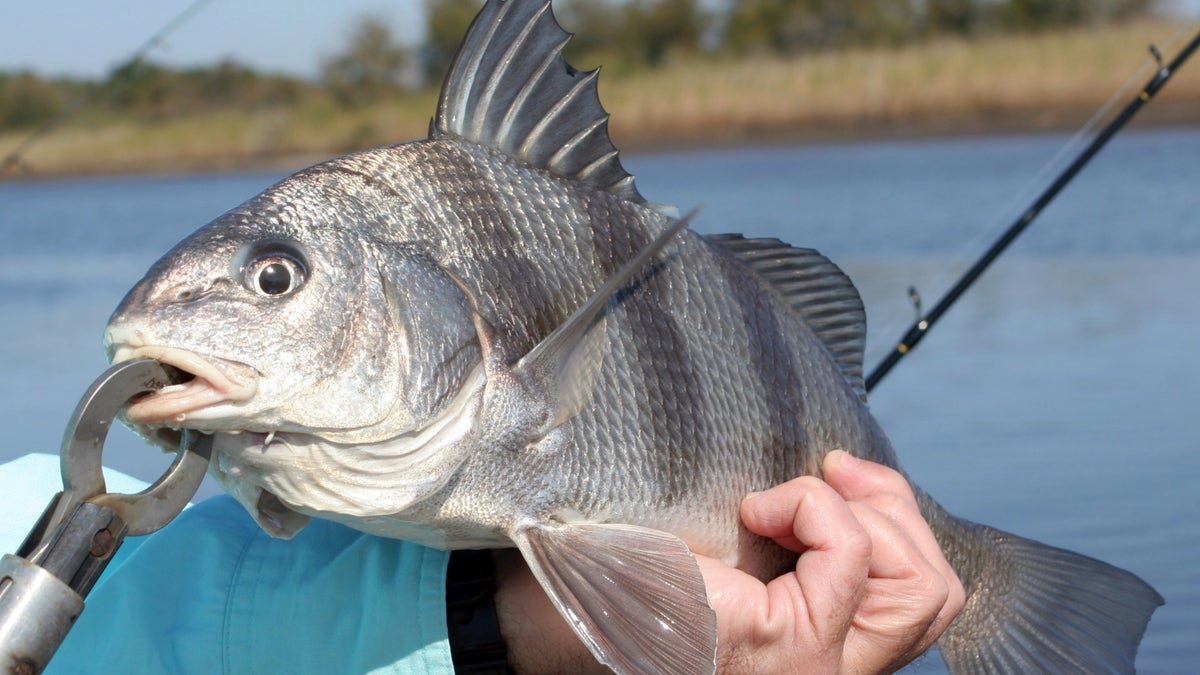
x=87, y=38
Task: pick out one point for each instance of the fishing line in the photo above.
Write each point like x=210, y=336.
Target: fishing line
x=1025, y=195
x=13, y=159
x=925, y=321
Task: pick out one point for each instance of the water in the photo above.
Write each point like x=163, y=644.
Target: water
x=1055, y=401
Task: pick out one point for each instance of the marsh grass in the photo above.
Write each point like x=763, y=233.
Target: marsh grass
x=1051, y=80
x=993, y=84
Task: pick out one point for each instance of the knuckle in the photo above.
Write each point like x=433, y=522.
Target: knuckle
x=932, y=592
x=937, y=589
x=896, y=507
x=857, y=543
x=957, y=595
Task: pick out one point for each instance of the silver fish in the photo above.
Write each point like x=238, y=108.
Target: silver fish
x=489, y=338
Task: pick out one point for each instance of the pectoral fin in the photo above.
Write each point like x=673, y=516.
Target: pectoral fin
x=633, y=595
x=567, y=361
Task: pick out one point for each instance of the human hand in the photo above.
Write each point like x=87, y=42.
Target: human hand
x=871, y=590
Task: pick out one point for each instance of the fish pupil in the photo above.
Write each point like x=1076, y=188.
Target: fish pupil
x=276, y=271
x=275, y=278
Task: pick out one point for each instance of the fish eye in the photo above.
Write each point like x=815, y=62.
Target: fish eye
x=275, y=274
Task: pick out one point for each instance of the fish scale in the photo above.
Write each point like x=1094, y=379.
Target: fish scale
x=489, y=338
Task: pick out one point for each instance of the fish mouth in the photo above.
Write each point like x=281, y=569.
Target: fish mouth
x=214, y=382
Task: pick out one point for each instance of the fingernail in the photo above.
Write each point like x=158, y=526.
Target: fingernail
x=750, y=503
x=843, y=459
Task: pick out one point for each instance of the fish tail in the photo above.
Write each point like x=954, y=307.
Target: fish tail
x=1033, y=608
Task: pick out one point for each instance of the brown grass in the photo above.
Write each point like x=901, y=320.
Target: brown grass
x=996, y=84
x=1051, y=80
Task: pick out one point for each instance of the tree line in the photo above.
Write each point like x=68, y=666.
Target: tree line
x=625, y=34
x=148, y=91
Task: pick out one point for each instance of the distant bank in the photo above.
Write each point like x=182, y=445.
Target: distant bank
x=1048, y=81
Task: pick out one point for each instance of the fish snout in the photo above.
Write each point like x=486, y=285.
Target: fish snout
x=215, y=382
x=120, y=335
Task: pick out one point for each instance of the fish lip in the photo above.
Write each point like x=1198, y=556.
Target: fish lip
x=215, y=381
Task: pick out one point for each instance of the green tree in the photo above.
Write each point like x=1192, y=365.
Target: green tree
x=27, y=100
x=1037, y=14
x=597, y=29
x=446, y=24
x=1120, y=10
x=1034, y=14
x=141, y=86
x=651, y=30
x=371, y=67
x=958, y=17
x=790, y=26
x=231, y=84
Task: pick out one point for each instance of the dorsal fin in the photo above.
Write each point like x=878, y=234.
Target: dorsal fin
x=510, y=88
x=818, y=291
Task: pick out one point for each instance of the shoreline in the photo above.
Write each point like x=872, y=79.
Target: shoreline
x=1038, y=83
x=1173, y=115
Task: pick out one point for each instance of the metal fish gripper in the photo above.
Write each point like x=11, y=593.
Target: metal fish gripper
x=43, y=585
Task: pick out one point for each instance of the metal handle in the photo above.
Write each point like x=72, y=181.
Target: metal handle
x=43, y=587
x=36, y=611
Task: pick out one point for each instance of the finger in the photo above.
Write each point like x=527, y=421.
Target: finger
x=889, y=492
x=905, y=595
x=906, y=520
x=774, y=512
x=831, y=571
x=894, y=555
x=855, y=478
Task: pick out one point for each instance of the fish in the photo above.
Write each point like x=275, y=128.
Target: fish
x=488, y=338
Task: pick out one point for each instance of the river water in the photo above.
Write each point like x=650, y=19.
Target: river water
x=1055, y=401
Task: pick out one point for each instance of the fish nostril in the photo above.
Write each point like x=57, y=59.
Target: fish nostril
x=193, y=292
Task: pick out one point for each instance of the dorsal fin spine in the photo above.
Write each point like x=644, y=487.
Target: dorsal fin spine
x=509, y=57
x=476, y=58
x=556, y=160
x=556, y=110
x=510, y=89
x=586, y=172
x=513, y=112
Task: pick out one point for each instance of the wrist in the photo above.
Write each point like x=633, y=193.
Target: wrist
x=539, y=640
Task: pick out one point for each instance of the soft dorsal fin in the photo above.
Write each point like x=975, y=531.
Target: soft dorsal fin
x=510, y=88
x=818, y=291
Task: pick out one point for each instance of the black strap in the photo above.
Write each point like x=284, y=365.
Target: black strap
x=476, y=645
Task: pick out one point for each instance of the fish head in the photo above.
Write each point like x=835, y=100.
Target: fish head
x=293, y=316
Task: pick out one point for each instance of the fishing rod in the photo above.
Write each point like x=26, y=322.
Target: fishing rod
x=13, y=159
x=924, y=322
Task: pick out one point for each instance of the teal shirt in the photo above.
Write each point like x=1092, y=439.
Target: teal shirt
x=212, y=593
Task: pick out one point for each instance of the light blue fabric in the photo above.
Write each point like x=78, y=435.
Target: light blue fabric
x=26, y=486
x=212, y=593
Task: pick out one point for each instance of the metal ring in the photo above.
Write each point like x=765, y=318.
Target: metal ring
x=151, y=509
x=83, y=446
